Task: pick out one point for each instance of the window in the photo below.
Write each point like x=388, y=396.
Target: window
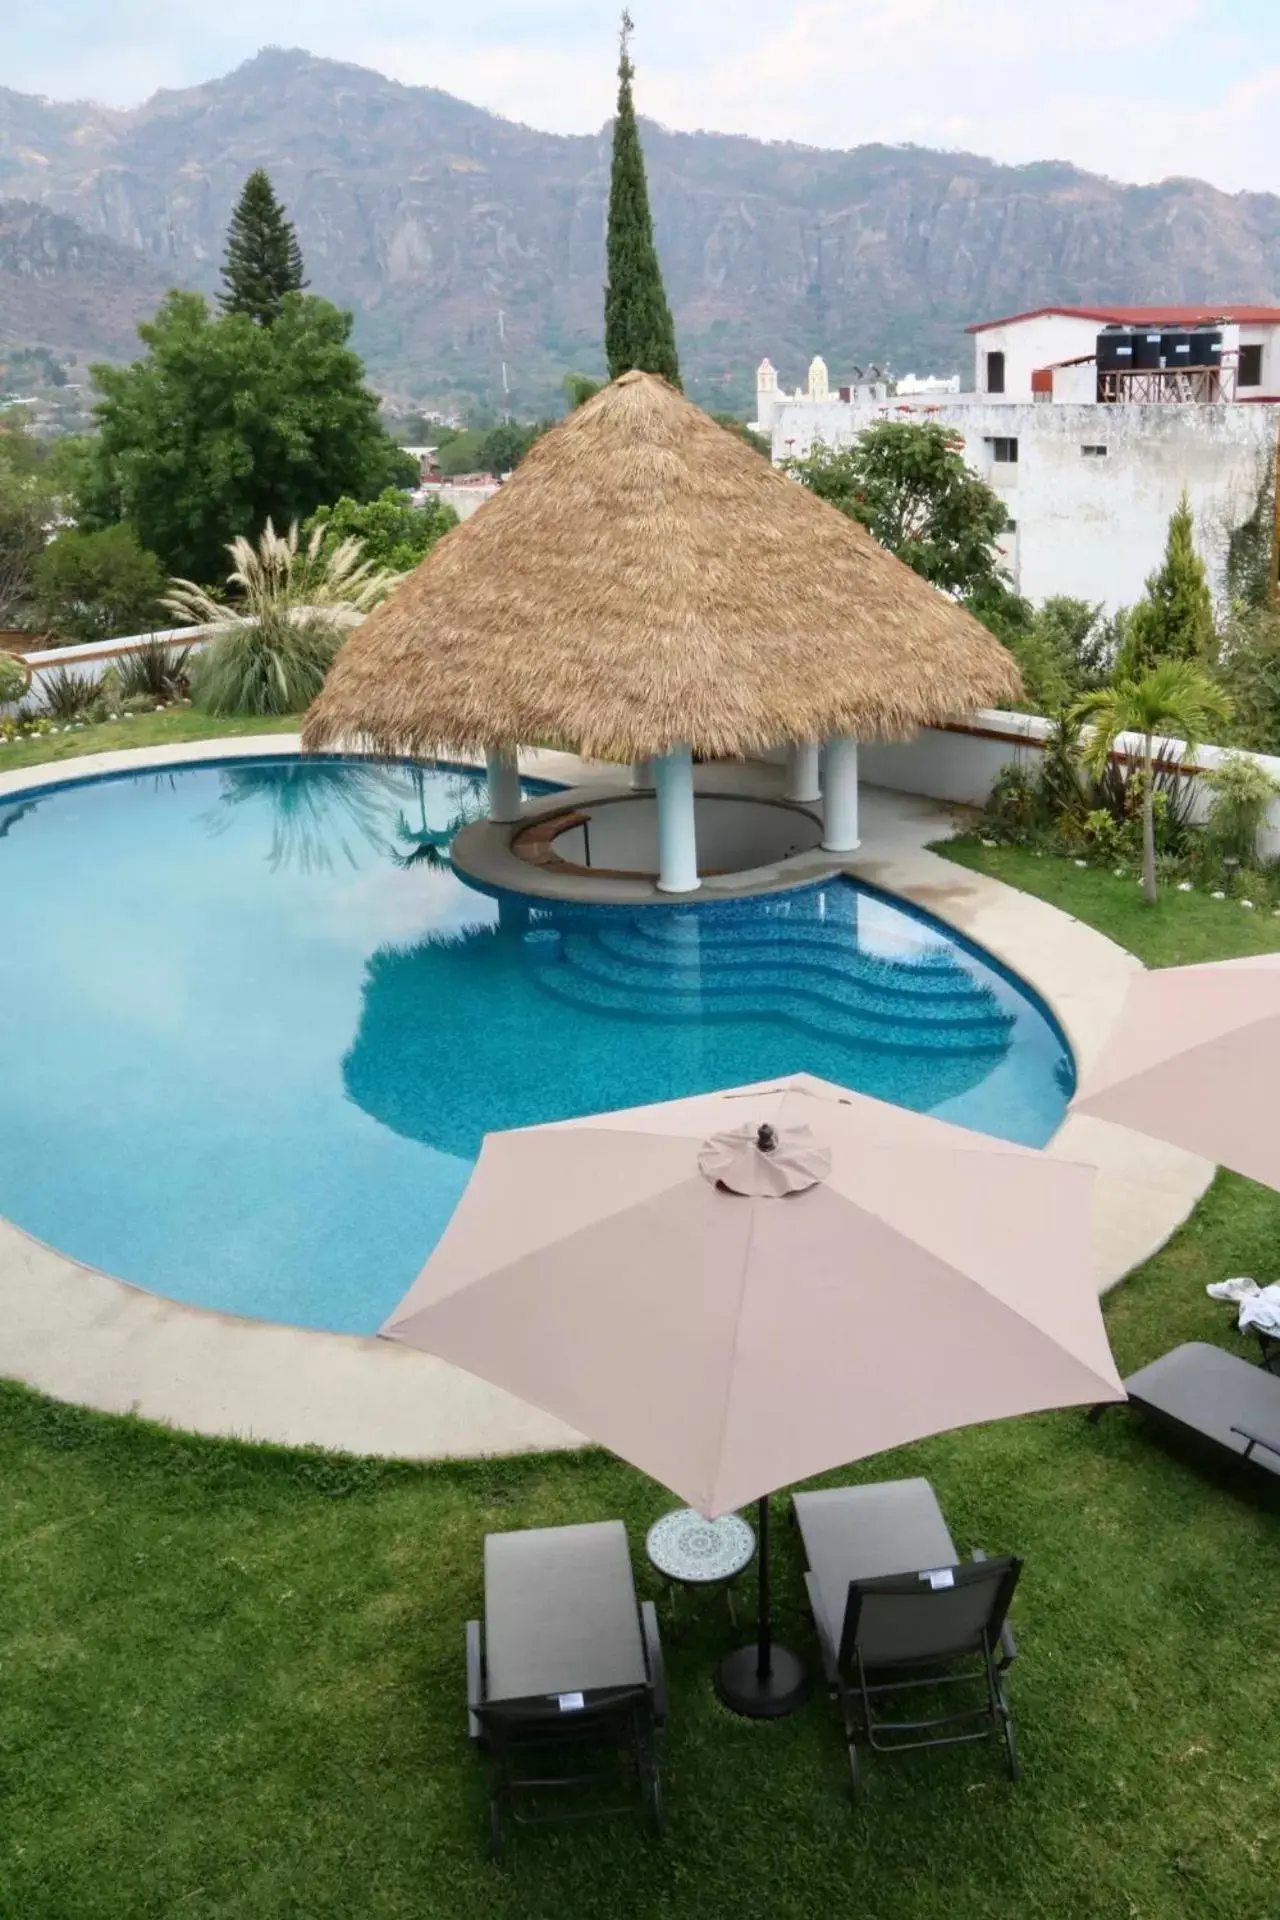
x=995, y=373
x=1004, y=452
x=1249, y=369
x=1094, y=453
x=1011, y=526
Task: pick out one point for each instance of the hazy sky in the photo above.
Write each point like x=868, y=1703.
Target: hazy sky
x=1136, y=91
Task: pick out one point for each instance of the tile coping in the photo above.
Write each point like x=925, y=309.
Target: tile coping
x=81, y=1335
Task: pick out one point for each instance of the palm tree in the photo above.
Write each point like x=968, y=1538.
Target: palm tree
x=1176, y=700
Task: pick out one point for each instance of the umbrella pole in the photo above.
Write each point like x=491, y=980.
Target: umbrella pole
x=764, y=1681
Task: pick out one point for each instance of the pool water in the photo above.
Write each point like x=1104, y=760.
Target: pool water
x=255, y=1027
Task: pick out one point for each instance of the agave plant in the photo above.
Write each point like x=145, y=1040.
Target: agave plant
x=283, y=623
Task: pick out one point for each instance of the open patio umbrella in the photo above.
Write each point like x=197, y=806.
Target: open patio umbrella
x=1195, y=1060
x=742, y=1289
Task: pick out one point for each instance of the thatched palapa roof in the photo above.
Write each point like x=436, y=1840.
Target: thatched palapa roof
x=646, y=579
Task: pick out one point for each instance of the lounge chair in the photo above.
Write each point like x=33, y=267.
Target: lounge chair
x=1216, y=1396
x=566, y=1692
x=896, y=1610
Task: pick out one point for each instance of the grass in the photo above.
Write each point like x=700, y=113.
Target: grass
x=1179, y=929
x=231, y=1676
x=144, y=730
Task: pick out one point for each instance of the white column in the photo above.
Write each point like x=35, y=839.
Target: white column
x=840, y=795
x=677, y=829
x=503, y=775
x=802, y=771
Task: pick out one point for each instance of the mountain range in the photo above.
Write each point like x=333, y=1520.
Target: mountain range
x=462, y=240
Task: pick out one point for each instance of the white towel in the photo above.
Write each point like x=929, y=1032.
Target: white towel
x=1259, y=1306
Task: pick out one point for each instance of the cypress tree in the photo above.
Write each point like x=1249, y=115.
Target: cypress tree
x=1174, y=619
x=638, y=328
x=264, y=260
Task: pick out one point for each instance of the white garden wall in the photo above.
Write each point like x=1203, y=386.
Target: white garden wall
x=960, y=762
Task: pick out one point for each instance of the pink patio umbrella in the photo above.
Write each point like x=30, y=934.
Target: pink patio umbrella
x=742, y=1289
x=1195, y=1060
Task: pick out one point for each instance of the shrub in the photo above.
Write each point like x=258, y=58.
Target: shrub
x=1012, y=810
x=275, y=664
x=14, y=678
x=1242, y=792
x=275, y=646
x=69, y=695
x=155, y=671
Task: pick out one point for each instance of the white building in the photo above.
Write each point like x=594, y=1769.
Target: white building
x=1090, y=482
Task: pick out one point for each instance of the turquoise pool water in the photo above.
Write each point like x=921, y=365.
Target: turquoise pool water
x=255, y=1027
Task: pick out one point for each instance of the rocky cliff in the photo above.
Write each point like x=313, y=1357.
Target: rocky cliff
x=432, y=219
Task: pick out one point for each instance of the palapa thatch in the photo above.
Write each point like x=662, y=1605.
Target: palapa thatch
x=646, y=579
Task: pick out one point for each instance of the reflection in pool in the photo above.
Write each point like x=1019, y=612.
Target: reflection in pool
x=264, y=1026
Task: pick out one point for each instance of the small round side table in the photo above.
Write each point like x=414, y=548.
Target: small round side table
x=689, y=1551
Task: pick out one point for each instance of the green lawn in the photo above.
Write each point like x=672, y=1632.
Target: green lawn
x=231, y=1677
x=1179, y=929
x=145, y=730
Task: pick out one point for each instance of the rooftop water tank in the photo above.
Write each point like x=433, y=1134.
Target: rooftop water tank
x=1175, y=347
x=1115, y=349
x=1206, y=346
x=1146, y=348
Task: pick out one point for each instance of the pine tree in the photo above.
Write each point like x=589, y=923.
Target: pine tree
x=638, y=328
x=1174, y=619
x=264, y=260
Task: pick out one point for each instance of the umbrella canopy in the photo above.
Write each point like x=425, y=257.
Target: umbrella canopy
x=732, y=1312
x=1195, y=1060
x=645, y=579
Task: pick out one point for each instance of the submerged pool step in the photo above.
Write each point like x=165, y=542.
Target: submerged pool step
x=779, y=982
x=794, y=958
x=661, y=933
x=575, y=985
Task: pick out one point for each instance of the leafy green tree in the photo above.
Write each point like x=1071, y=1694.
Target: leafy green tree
x=496, y=450
x=392, y=532
x=25, y=511
x=1175, y=700
x=579, y=388
x=263, y=261
x=1249, y=672
x=225, y=424
x=1248, y=565
x=98, y=586
x=731, y=422
x=1174, y=619
x=638, y=328
x=909, y=486
x=28, y=508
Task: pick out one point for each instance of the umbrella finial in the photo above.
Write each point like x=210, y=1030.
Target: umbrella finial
x=765, y=1161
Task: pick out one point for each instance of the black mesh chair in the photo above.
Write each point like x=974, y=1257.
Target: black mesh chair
x=566, y=1692
x=902, y=1623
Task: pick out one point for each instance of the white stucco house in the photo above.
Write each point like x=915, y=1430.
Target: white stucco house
x=1090, y=451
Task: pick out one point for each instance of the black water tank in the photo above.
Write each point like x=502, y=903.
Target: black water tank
x=1115, y=350
x=1146, y=348
x=1175, y=347
x=1206, y=346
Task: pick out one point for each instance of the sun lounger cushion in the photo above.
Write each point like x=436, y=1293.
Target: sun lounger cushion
x=863, y=1533
x=560, y=1612
x=1209, y=1392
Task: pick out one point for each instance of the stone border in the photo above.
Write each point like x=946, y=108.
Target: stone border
x=83, y=1336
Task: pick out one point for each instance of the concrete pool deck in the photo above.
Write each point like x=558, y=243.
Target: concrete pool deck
x=83, y=1336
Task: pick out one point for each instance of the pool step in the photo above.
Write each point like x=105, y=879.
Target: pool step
x=840, y=965
x=771, y=982
x=572, y=983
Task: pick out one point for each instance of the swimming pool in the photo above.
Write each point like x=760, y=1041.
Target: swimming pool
x=255, y=1026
